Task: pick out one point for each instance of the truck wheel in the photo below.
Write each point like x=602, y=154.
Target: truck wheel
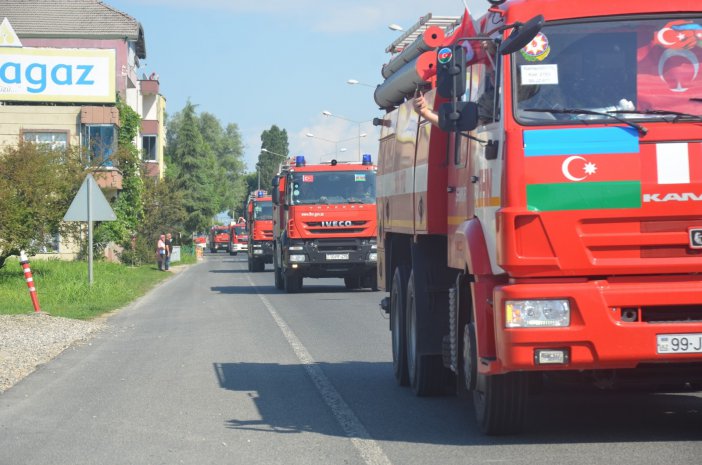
x=250, y=262
x=370, y=280
x=260, y=265
x=213, y=250
x=352, y=282
x=500, y=403
x=397, y=326
x=292, y=283
x=425, y=372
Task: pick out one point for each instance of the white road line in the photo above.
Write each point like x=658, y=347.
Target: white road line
x=368, y=448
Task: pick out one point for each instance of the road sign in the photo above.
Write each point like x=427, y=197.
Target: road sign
x=90, y=196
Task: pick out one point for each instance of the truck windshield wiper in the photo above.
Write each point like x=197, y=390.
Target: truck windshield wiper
x=581, y=111
x=675, y=114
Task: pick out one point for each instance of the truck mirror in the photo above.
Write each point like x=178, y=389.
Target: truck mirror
x=451, y=71
x=275, y=182
x=275, y=197
x=461, y=116
x=521, y=35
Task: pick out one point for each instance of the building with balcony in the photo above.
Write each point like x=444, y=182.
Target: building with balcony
x=62, y=65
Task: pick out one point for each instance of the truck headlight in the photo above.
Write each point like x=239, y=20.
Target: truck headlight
x=373, y=257
x=537, y=313
x=297, y=258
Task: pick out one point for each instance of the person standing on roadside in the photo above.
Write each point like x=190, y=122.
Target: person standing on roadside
x=169, y=250
x=161, y=251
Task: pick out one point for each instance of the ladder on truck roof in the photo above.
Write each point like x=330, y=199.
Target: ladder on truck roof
x=447, y=23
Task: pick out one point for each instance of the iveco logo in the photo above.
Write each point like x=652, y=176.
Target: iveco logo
x=335, y=224
x=673, y=197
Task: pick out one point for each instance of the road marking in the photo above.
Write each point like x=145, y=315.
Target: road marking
x=369, y=449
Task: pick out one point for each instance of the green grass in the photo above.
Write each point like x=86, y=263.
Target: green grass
x=63, y=289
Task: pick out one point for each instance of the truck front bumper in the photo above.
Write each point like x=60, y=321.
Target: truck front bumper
x=615, y=323
x=332, y=258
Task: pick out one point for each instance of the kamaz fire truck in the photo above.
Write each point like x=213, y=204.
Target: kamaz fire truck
x=259, y=223
x=549, y=225
x=324, y=221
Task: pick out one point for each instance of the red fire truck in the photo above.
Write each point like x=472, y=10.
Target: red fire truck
x=259, y=222
x=550, y=223
x=218, y=238
x=324, y=220
x=238, y=237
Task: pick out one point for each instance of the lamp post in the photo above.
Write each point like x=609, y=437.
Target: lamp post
x=258, y=165
x=356, y=82
x=337, y=142
x=359, y=123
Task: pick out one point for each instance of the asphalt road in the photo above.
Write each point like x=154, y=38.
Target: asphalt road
x=216, y=366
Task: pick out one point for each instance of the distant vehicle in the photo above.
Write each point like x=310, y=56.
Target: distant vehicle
x=219, y=238
x=238, y=238
x=259, y=213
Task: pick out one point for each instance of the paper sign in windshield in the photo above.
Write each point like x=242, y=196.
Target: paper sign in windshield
x=539, y=75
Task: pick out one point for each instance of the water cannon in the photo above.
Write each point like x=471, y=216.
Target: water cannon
x=367, y=159
x=300, y=160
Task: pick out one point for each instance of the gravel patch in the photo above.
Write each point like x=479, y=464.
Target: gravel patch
x=27, y=341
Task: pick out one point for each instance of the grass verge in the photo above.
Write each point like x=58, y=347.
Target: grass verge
x=63, y=289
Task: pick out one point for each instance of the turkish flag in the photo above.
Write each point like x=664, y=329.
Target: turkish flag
x=669, y=71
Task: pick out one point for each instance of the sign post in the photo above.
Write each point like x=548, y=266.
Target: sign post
x=90, y=205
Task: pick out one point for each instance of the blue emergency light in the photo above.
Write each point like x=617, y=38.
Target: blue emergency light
x=260, y=193
x=367, y=159
x=300, y=160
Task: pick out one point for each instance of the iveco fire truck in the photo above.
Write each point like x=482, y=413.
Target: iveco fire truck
x=324, y=221
x=238, y=237
x=260, y=227
x=545, y=220
x=219, y=238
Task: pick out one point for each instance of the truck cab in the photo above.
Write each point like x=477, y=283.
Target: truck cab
x=325, y=223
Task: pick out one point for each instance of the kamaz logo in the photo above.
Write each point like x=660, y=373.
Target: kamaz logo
x=673, y=197
x=336, y=224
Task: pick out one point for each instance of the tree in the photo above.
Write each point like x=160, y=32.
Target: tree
x=197, y=174
x=129, y=205
x=274, y=140
x=37, y=185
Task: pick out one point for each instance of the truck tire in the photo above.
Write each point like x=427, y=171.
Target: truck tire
x=278, y=277
x=250, y=263
x=292, y=282
x=352, y=282
x=397, y=325
x=425, y=372
x=213, y=250
x=500, y=403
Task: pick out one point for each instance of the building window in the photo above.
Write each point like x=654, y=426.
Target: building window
x=148, y=144
x=101, y=142
x=55, y=140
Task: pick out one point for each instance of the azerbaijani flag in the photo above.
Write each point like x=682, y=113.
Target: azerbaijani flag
x=582, y=169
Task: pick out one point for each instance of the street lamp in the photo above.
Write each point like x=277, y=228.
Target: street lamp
x=359, y=123
x=356, y=82
x=258, y=164
x=337, y=142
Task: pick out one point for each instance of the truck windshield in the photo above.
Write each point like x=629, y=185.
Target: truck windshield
x=263, y=210
x=645, y=69
x=333, y=187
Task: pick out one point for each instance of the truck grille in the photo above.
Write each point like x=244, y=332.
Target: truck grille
x=616, y=239
x=318, y=227
x=662, y=314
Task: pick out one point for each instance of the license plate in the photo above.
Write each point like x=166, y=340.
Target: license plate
x=337, y=256
x=679, y=343
x=258, y=252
